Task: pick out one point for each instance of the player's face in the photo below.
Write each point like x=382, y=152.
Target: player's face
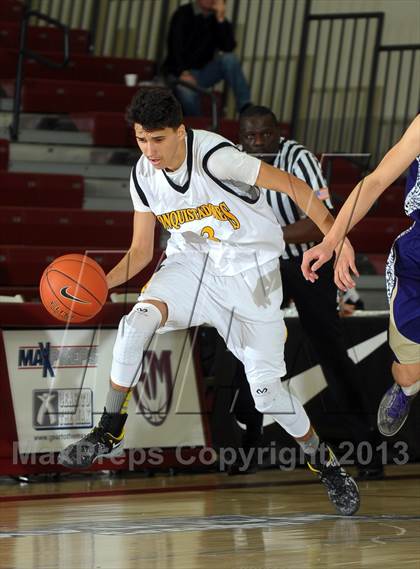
x=259, y=135
x=164, y=147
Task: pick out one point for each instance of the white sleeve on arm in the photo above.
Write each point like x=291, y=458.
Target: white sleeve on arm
x=139, y=203
x=229, y=163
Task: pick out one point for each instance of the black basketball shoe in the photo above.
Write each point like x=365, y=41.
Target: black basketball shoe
x=102, y=441
x=341, y=487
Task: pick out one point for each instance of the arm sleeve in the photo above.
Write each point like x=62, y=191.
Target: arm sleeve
x=230, y=164
x=138, y=197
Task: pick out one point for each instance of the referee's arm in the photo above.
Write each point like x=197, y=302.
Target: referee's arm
x=307, y=168
x=302, y=231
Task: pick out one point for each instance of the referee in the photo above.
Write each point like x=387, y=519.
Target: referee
x=316, y=303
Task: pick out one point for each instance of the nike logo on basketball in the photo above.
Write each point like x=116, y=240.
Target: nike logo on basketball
x=64, y=292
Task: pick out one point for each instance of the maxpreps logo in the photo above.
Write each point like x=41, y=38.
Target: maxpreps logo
x=48, y=358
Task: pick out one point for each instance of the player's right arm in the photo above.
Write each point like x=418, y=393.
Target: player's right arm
x=303, y=196
x=299, y=191
x=140, y=253
x=232, y=165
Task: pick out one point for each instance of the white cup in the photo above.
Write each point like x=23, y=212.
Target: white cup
x=131, y=79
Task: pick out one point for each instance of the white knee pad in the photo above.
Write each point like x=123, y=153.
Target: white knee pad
x=273, y=399
x=135, y=331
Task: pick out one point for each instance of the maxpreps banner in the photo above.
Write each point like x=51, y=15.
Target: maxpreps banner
x=59, y=381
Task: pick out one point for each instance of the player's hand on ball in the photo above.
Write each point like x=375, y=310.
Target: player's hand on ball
x=314, y=258
x=345, y=261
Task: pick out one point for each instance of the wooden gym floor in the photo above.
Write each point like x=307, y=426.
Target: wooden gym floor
x=268, y=520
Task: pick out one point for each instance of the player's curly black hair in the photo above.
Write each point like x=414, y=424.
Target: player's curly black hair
x=155, y=108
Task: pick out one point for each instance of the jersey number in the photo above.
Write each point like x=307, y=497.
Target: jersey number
x=208, y=232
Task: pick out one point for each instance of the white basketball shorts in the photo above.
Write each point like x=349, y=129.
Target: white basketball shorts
x=244, y=308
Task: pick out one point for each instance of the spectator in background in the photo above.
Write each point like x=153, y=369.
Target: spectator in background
x=200, y=52
x=316, y=303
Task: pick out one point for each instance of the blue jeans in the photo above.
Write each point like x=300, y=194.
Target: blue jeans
x=224, y=66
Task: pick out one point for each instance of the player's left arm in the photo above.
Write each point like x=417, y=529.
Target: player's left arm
x=366, y=192
x=362, y=197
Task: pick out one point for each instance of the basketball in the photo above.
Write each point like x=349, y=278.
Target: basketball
x=73, y=288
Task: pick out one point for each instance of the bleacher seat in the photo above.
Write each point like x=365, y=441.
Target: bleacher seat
x=106, y=128
x=22, y=266
x=228, y=128
x=51, y=96
x=376, y=234
x=389, y=204
x=43, y=38
x=4, y=154
x=28, y=293
x=62, y=227
x=81, y=67
x=378, y=261
x=111, y=128
x=67, y=227
x=11, y=298
x=342, y=170
x=123, y=297
x=41, y=190
x=11, y=11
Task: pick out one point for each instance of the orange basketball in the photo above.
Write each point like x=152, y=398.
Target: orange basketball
x=73, y=288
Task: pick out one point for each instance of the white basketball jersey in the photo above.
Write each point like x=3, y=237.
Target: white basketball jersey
x=231, y=222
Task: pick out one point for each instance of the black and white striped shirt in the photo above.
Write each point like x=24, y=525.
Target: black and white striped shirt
x=294, y=158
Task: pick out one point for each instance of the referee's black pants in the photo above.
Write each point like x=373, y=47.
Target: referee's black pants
x=316, y=304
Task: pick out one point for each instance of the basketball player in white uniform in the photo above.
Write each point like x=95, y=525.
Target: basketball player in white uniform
x=221, y=269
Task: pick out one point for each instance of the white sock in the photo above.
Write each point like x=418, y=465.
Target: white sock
x=411, y=389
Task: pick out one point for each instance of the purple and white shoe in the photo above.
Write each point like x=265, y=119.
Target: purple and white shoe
x=393, y=410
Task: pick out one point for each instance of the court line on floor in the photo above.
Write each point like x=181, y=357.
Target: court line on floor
x=340, y=529
x=175, y=489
